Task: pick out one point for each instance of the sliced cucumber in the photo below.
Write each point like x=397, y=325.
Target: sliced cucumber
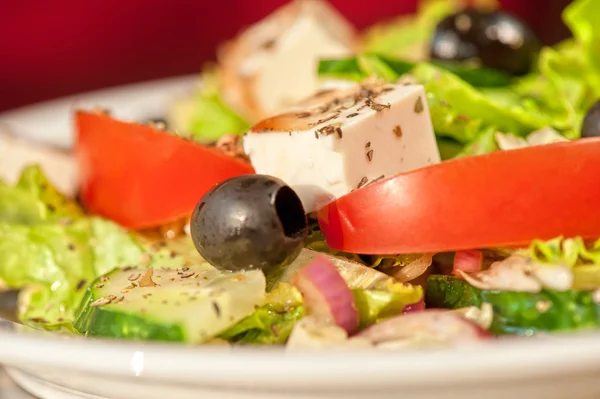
x=187, y=305
x=519, y=312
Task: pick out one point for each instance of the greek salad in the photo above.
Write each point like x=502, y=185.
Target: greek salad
x=432, y=180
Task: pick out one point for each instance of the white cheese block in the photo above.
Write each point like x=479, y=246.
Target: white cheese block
x=342, y=140
x=273, y=64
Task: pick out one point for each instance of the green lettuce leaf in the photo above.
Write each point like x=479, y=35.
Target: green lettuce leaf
x=18, y=206
x=390, y=69
x=558, y=90
x=343, y=68
x=387, y=301
x=568, y=251
x=449, y=148
x=112, y=246
x=213, y=118
x=205, y=117
x=583, y=18
x=272, y=323
x=54, y=263
x=583, y=257
x=475, y=75
x=34, y=199
x=464, y=102
x=484, y=143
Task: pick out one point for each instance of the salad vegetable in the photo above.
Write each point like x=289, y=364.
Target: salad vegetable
x=158, y=177
x=336, y=221
x=191, y=304
x=272, y=323
x=523, y=203
x=519, y=312
x=327, y=295
x=204, y=116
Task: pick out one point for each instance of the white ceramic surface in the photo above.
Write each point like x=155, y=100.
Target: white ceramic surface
x=54, y=367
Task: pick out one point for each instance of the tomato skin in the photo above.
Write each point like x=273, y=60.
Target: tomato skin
x=141, y=177
x=505, y=198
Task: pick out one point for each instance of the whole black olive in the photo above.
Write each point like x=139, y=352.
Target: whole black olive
x=250, y=222
x=495, y=39
x=591, y=122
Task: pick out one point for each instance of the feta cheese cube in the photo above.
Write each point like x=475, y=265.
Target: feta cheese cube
x=273, y=64
x=341, y=140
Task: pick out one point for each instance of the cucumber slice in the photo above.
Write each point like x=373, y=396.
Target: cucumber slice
x=519, y=312
x=187, y=305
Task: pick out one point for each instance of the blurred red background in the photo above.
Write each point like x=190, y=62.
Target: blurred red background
x=51, y=48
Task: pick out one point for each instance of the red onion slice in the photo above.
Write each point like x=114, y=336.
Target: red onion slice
x=431, y=325
x=414, y=307
x=470, y=261
x=326, y=294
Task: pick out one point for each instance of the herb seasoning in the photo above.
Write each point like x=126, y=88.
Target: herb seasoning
x=362, y=182
x=398, y=131
x=419, y=105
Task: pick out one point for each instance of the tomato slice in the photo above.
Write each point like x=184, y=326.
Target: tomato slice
x=504, y=198
x=141, y=177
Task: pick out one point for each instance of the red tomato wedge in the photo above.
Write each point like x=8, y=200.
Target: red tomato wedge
x=141, y=177
x=505, y=198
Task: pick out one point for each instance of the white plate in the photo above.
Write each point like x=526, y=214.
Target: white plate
x=54, y=367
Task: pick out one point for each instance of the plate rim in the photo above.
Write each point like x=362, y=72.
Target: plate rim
x=510, y=359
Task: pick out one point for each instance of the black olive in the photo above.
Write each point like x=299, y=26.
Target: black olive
x=591, y=122
x=250, y=222
x=495, y=39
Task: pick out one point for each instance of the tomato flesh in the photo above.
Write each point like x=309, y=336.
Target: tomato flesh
x=142, y=177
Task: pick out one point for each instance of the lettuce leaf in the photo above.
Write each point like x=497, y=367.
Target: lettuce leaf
x=569, y=251
x=475, y=75
x=583, y=18
x=390, y=69
x=213, y=118
x=463, y=100
x=204, y=116
x=386, y=301
x=449, y=148
x=343, y=68
x=272, y=323
x=484, y=143
x=34, y=199
x=54, y=263
x=559, y=90
x=582, y=257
